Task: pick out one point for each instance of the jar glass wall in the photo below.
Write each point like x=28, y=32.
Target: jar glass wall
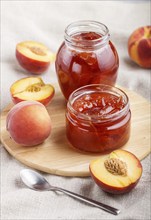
x=86, y=56
x=98, y=118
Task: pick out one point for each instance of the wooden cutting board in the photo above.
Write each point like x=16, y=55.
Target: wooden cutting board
x=56, y=156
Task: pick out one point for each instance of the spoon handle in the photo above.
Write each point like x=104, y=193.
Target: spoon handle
x=90, y=201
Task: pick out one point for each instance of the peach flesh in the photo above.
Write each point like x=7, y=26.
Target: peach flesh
x=28, y=123
x=117, y=184
x=32, y=88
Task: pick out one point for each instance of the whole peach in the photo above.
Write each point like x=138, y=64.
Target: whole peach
x=28, y=123
x=139, y=46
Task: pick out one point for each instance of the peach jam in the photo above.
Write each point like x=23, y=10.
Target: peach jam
x=98, y=118
x=87, y=56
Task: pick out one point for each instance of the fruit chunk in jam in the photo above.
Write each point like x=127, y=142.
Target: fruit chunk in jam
x=97, y=104
x=99, y=122
x=76, y=65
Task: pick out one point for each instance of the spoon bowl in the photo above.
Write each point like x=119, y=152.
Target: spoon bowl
x=36, y=181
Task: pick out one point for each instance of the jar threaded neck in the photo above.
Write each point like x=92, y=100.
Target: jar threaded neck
x=87, y=26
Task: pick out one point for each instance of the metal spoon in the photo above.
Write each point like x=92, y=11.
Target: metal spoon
x=36, y=181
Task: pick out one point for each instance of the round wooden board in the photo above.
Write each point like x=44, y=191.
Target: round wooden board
x=56, y=156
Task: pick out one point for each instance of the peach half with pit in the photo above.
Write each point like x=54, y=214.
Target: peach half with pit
x=28, y=123
x=116, y=173
x=33, y=56
x=32, y=88
x=139, y=46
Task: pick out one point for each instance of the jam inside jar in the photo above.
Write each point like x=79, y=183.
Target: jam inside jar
x=98, y=118
x=87, y=56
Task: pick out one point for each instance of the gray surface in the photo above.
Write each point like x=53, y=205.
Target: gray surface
x=45, y=21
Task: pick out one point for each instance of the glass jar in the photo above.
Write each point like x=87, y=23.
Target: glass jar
x=87, y=56
x=98, y=118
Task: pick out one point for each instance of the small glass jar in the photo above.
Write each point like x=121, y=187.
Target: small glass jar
x=98, y=118
x=87, y=56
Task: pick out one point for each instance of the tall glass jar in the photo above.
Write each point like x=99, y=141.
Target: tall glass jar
x=86, y=56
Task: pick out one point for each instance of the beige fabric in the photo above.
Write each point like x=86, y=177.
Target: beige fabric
x=45, y=21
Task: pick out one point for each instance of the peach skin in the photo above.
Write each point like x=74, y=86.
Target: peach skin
x=28, y=123
x=139, y=46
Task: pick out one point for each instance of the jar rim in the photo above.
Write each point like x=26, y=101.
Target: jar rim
x=81, y=26
x=102, y=88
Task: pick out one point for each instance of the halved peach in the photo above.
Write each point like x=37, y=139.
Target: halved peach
x=33, y=56
x=116, y=173
x=32, y=88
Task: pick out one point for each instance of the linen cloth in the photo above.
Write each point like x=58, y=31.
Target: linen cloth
x=45, y=21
